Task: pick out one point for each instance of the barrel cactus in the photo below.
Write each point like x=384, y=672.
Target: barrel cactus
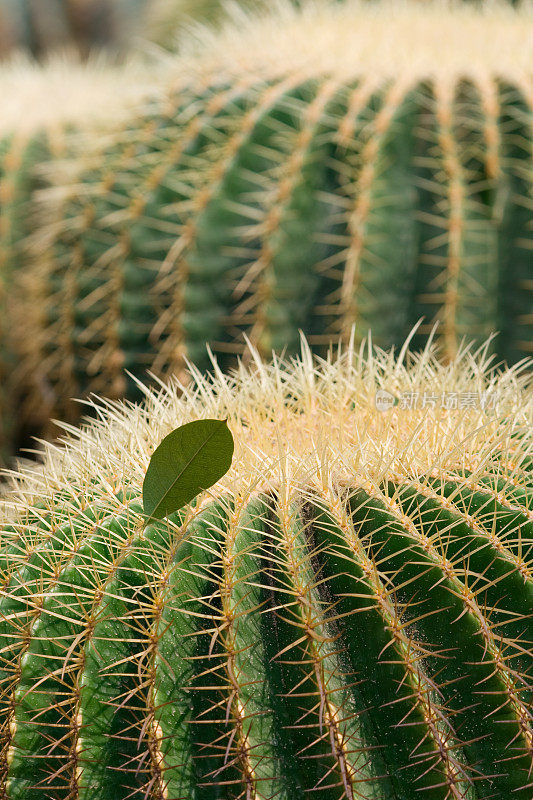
x=319, y=168
x=42, y=106
x=346, y=614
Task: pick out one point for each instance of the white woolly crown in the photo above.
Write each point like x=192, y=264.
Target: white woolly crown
x=65, y=91
x=385, y=39
x=309, y=423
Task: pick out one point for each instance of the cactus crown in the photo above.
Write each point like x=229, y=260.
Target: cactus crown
x=347, y=612
x=300, y=420
x=347, y=39
x=65, y=92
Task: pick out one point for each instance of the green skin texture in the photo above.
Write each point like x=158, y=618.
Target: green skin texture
x=248, y=225
x=18, y=161
x=249, y=652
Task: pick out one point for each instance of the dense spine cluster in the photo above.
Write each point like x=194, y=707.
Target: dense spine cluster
x=347, y=614
x=312, y=196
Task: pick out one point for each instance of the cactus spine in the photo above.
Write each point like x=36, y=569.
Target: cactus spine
x=346, y=614
x=313, y=179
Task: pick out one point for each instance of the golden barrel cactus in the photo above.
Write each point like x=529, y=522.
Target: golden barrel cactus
x=42, y=106
x=346, y=614
x=311, y=169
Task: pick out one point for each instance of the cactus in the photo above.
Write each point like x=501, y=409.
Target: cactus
x=41, y=106
x=320, y=168
x=17, y=155
x=346, y=614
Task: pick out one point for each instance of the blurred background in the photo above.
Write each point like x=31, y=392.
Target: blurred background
x=40, y=26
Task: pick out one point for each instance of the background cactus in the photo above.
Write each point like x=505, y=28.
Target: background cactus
x=347, y=614
x=41, y=106
x=320, y=168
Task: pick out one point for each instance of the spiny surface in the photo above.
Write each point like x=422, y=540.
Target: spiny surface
x=317, y=168
x=347, y=614
x=41, y=104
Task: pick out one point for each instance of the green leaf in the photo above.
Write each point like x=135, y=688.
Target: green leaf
x=188, y=460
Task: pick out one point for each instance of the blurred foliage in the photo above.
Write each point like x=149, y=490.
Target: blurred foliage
x=39, y=26
x=165, y=18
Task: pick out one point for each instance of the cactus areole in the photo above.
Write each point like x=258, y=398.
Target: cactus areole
x=345, y=614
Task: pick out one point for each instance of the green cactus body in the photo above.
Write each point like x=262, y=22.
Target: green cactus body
x=346, y=614
x=18, y=157
x=321, y=183
x=43, y=108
